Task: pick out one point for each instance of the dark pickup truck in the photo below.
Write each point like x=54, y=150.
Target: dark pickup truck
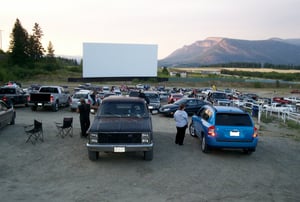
x=13, y=95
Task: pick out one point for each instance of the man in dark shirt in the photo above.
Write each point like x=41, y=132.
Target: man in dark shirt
x=84, y=116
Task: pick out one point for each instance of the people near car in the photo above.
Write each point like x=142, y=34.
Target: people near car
x=95, y=102
x=142, y=95
x=84, y=116
x=181, y=119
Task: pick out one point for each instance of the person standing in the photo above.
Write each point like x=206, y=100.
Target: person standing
x=84, y=116
x=181, y=119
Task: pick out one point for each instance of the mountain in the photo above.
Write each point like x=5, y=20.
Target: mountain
x=215, y=50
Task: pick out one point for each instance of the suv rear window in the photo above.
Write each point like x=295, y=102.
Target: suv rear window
x=7, y=91
x=229, y=119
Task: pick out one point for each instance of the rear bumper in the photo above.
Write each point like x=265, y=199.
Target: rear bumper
x=111, y=147
x=211, y=141
x=40, y=104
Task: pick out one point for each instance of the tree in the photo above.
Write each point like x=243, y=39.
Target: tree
x=35, y=48
x=18, y=44
x=50, y=50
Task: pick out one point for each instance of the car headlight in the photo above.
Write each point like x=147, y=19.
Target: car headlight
x=145, y=138
x=166, y=109
x=93, y=138
x=150, y=107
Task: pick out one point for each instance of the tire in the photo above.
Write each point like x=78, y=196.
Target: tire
x=12, y=122
x=192, y=130
x=204, y=146
x=93, y=155
x=55, y=107
x=148, y=155
x=248, y=151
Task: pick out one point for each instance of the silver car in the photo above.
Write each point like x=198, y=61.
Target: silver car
x=75, y=99
x=7, y=114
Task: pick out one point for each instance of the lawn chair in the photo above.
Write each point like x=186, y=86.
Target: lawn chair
x=65, y=128
x=34, y=132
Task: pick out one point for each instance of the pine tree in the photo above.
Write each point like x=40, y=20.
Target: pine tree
x=36, y=50
x=50, y=50
x=19, y=44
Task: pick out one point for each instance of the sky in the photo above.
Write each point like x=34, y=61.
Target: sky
x=170, y=24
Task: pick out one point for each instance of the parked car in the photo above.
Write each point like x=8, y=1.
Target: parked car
x=7, y=114
x=75, y=99
x=49, y=96
x=154, y=101
x=192, y=105
x=224, y=127
x=173, y=97
x=163, y=95
x=281, y=100
x=13, y=95
x=121, y=124
x=218, y=98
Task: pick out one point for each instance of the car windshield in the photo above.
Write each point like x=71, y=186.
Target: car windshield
x=123, y=109
x=181, y=101
x=80, y=95
x=220, y=96
x=230, y=119
x=152, y=95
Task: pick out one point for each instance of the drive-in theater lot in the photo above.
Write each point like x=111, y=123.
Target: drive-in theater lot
x=59, y=169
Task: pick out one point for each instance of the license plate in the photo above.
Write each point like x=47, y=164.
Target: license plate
x=234, y=133
x=154, y=111
x=119, y=149
x=40, y=104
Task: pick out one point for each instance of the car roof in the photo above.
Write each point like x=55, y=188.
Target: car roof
x=228, y=109
x=225, y=109
x=123, y=99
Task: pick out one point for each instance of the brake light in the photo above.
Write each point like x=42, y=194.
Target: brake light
x=51, y=98
x=4, y=99
x=211, y=131
x=28, y=98
x=255, y=134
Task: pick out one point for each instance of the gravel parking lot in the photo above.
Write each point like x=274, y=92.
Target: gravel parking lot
x=59, y=169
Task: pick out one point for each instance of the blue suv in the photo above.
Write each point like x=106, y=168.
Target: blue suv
x=224, y=127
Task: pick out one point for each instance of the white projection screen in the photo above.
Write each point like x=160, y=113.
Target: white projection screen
x=119, y=60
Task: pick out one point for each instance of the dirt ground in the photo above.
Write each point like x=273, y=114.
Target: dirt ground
x=59, y=169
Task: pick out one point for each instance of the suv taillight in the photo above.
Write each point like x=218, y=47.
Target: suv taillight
x=255, y=134
x=211, y=131
x=51, y=98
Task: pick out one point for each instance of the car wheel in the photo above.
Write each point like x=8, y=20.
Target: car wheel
x=248, y=151
x=55, y=107
x=148, y=155
x=12, y=122
x=93, y=155
x=204, y=146
x=192, y=130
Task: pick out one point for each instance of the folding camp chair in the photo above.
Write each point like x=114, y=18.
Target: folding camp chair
x=34, y=132
x=66, y=127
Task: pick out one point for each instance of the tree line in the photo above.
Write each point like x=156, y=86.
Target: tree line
x=255, y=65
x=266, y=75
x=26, y=55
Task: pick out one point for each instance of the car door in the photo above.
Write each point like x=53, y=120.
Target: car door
x=4, y=115
x=191, y=106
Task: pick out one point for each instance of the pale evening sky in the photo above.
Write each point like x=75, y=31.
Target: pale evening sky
x=170, y=24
